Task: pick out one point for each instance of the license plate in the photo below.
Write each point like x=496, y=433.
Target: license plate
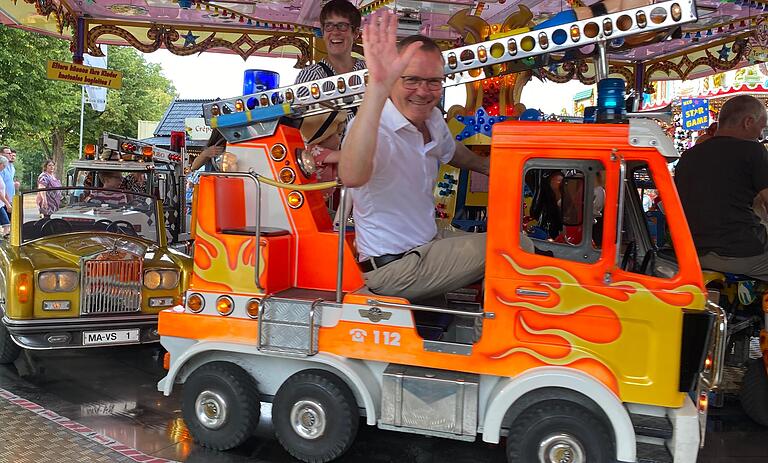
x=91, y=338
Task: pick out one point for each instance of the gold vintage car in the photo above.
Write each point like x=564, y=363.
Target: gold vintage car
x=94, y=272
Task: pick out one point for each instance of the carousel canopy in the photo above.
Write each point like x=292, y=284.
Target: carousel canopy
x=728, y=34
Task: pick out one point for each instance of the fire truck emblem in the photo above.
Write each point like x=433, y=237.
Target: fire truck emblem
x=375, y=314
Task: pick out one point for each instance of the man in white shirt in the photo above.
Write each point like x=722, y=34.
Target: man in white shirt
x=390, y=159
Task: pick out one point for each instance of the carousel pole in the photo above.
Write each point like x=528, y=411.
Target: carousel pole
x=79, y=50
x=638, y=87
x=601, y=61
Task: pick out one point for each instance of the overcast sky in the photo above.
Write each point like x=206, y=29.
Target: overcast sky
x=219, y=75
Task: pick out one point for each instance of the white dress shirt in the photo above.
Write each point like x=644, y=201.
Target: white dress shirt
x=395, y=211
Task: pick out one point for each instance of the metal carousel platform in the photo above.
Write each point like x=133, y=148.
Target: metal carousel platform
x=102, y=406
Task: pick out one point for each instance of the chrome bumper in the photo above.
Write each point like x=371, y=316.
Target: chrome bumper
x=67, y=333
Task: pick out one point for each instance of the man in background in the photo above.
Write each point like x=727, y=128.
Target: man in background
x=718, y=181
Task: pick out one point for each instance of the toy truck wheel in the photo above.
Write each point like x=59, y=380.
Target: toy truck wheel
x=553, y=432
x=9, y=350
x=315, y=416
x=220, y=405
x=754, y=392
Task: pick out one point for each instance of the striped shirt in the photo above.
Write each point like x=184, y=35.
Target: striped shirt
x=316, y=71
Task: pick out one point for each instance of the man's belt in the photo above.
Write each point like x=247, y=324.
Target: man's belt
x=373, y=263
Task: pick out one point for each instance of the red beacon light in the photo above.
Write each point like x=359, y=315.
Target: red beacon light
x=178, y=141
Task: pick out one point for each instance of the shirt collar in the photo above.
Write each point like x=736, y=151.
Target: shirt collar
x=391, y=117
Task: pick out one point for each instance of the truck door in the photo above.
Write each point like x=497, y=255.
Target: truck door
x=563, y=292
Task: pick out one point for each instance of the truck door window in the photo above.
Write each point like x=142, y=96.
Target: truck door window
x=646, y=245
x=559, y=214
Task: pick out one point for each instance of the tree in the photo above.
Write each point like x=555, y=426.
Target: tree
x=41, y=117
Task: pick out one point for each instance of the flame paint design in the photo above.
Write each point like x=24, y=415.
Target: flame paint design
x=577, y=323
x=234, y=257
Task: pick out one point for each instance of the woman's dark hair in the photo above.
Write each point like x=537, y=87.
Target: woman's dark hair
x=341, y=8
x=216, y=138
x=48, y=161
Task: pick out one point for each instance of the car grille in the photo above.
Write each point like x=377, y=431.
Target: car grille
x=111, y=285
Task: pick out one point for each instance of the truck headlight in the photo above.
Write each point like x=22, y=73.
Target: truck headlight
x=54, y=281
x=161, y=279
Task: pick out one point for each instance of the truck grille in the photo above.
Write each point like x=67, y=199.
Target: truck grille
x=111, y=286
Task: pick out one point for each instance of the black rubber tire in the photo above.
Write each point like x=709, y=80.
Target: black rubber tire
x=9, y=350
x=338, y=402
x=548, y=418
x=754, y=392
x=238, y=389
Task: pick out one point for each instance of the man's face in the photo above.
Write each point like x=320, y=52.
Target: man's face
x=12, y=156
x=338, y=42
x=416, y=103
x=7, y=153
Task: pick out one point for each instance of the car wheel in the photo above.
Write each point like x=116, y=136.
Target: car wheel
x=9, y=350
x=220, y=405
x=754, y=392
x=315, y=416
x=557, y=431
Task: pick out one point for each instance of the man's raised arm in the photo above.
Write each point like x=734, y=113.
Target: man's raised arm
x=385, y=65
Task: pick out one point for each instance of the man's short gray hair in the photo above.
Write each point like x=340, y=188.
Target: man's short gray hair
x=738, y=108
x=4, y=161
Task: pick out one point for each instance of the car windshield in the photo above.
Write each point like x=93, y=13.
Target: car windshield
x=57, y=211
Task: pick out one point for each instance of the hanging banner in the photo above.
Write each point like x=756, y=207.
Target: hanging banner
x=695, y=114
x=97, y=96
x=84, y=75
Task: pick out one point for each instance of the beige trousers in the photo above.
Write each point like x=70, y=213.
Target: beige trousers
x=452, y=260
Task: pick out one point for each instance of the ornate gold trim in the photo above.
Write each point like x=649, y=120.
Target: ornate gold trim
x=165, y=37
x=65, y=18
x=685, y=66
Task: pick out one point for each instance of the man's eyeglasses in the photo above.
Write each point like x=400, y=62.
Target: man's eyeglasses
x=341, y=27
x=413, y=82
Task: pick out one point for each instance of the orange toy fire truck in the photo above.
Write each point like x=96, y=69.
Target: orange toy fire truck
x=588, y=350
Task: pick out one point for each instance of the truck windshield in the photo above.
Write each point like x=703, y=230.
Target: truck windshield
x=57, y=211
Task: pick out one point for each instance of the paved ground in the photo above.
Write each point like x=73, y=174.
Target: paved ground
x=110, y=397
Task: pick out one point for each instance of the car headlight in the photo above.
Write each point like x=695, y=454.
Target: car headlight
x=53, y=281
x=161, y=279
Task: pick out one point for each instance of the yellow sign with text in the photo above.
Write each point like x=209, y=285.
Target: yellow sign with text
x=84, y=75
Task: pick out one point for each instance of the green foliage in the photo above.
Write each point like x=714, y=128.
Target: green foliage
x=40, y=118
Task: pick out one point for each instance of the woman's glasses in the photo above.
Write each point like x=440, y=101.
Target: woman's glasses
x=341, y=27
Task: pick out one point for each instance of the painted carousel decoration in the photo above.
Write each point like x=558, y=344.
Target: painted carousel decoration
x=289, y=28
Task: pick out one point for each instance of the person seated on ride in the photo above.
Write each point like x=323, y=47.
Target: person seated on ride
x=322, y=135
x=390, y=159
x=718, y=181
x=547, y=203
x=111, y=180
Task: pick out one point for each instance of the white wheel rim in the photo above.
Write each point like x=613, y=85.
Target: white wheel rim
x=308, y=419
x=211, y=409
x=561, y=448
